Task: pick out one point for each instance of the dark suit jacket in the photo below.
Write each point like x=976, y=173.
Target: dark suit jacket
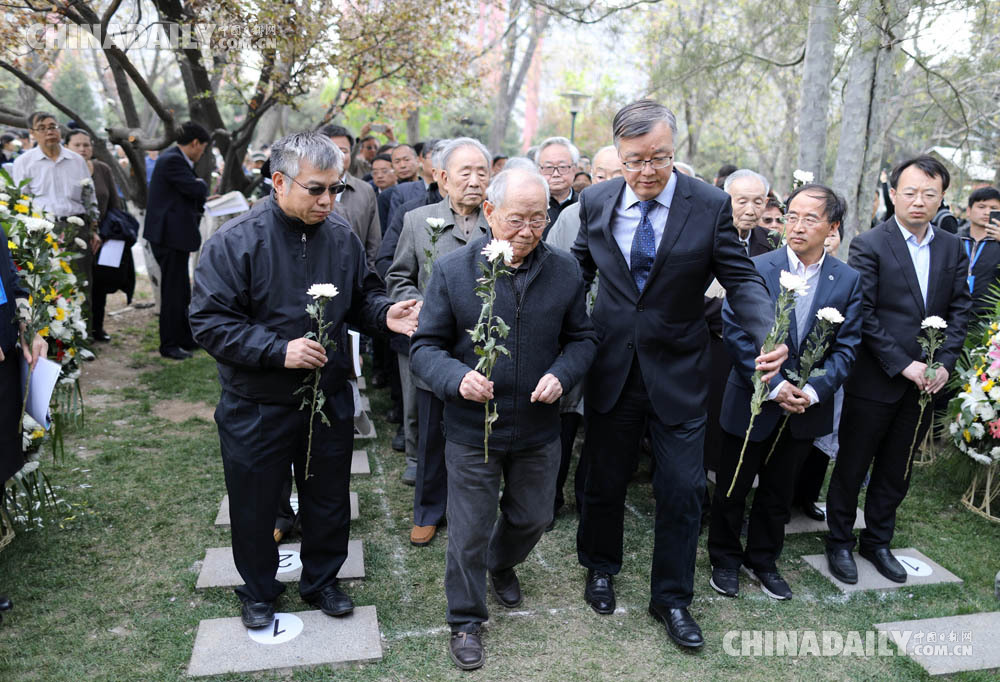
x=837, y=286
x=390, y=238
x=665, y=325
x=404, y=193
x=893, y=308
x=176, y=200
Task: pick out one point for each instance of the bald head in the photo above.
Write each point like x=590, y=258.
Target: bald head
x=606, y=164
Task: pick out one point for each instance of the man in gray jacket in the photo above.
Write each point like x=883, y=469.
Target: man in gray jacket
x=249, y=312
x=428, y=233
x=551, y=344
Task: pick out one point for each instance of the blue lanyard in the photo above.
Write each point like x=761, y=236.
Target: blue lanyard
x=971, y=279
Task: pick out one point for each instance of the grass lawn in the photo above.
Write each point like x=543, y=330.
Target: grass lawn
x=106, y=592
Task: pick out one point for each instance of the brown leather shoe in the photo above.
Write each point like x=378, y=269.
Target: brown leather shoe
x=421, y=536
x=278, y=534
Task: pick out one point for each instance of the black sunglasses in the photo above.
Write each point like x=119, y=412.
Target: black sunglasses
x=316, y=190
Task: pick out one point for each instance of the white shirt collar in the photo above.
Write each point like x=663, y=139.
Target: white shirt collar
x=798, y=268
x=663, y=198
x=910, y=237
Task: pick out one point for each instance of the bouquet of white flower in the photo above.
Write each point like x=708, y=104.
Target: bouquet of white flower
x=930, y=339
x=313, y=397
x=435, y=228
x=490, y=328
x=791, y=286
x=816, y=346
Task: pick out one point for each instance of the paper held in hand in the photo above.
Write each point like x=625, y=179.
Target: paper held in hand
x=227, y=204
x=111, y=253
x=43, y=382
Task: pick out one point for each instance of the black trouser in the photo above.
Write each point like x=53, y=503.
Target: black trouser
x=175, y=297
x=876, y=435
x=259, y=443
x=811, y=476
x=771, y=503
x=11, y=458
x=430, y=497
x=569, y=423
x=610, y=448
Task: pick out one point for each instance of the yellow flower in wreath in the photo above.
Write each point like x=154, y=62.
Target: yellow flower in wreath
x=71, y=351
x=11, y=245
x=966, y=435
x=31, y=266
x=20, y=208
x=65, y=266
x=987, y=386
x=60, y=314
x=44, y=331
x=37, y=433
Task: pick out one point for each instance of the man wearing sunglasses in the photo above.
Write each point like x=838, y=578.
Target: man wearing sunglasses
x=249, y=313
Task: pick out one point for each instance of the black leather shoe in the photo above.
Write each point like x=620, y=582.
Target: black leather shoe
x=466, y=650
x=331, y=601
x=812, y=511
x=6, y=604
x=681, y=627
x=600, y=592
x=257, y=614
x=506, y=588
x=842, y=566
x=885, y=563
x=725, y=581
x=175, y=353
x=399, y=440
x=101, y=336
x=394, y=415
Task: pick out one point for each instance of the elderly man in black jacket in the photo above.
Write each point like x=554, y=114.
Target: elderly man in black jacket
x=551, y=344
x=249, y=313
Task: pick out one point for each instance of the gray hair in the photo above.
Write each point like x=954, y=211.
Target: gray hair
x=686, y=168
x=638, y=118
x=437, y=147
x=316, y=148
x=497, y=191
x=574, y=153
x=746, y=173
x=458, y=143
x=520, y=162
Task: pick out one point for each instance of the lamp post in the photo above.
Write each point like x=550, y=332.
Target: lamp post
x=576, y=100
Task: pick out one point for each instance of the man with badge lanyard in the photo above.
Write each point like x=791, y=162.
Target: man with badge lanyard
x=979, y=239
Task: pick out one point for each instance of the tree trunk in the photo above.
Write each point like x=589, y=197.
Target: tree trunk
x=862, y=133
x=815, y=98
x=413, y=126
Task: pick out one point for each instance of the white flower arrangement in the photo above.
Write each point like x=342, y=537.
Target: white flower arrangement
x=75, y=220
x=830, y=315
x=313, y=397
x=973, y=413
x=498, y=248
x=86, y=182
x=802, y=177
x=793, y=283
x=317, y=291
x=933, y=322
x=435, y=222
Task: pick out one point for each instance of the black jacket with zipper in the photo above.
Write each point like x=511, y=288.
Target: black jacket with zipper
x=550, y=332
x=249, y=301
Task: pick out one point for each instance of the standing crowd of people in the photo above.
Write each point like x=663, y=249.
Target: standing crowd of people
x=638, y=297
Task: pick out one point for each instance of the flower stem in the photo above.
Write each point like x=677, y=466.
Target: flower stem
x=24, y=405
x=776, y=439
x=739, y=462
x=486, y=433
x=312, y=415
x=920, y=418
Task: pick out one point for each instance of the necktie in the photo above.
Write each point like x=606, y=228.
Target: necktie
x=643, y=246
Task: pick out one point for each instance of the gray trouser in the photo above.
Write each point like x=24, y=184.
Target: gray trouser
x=477, y=540
x=409, y=407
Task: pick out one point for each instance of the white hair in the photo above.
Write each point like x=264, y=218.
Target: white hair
x=497, y=191
x=316, y=148
x=520, y=162
x=437, y=153
x=574, y=153
x=685, y=168
x=746, y=173
x=458, y=143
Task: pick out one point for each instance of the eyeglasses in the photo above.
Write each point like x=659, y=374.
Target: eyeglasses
x=46, y=129
x=518, y=224
x=316, y=190
x=770, y=221
x=808, y=221
x=928, y=196
x=656, y=163
x=553, y=170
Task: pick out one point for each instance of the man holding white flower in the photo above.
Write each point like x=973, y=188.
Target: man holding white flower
x=824, y=331
x=252, y=286
x=550, y=345
x=911, y=276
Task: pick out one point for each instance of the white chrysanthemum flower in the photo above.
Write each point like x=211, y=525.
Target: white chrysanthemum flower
x=4, y=196
x=995, y=394
x=802, y=176
x=982, y=459
x=86, y=182
x=831, y=315
x=498, y=248
x=995, y=453
x=953, y=428
x=793, y=283
x=37, y=224
x=85, y=354
x=933, y=322
x=977, y=430
x=75, y=220
x=322, y=291
x=79, y=242
x=435, y=222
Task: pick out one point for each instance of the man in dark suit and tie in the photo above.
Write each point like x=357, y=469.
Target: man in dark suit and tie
x=657, y=237
x=909, y=271
x=814, y=212
x=176, y=201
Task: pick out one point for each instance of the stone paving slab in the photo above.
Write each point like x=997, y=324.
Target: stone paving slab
x=800, y=523
x=359, y=463
x=960, y=643
x=362, y=384
x=366, y=404
x=219, y=570
x=295, y=640
x=920, y=570
x=364, y=428
x=222, y=518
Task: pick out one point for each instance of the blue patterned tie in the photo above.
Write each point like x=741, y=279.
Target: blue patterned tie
x=643, y=246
